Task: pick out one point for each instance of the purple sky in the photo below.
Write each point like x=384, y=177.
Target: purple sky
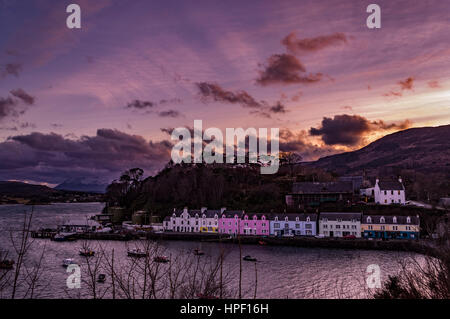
x=92, y=102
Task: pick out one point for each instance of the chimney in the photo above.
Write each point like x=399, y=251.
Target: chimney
x=377, y=181
x=203, y=209
x=223, y=209
x=400, y=179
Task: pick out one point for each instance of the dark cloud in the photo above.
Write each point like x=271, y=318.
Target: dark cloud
x=24, y=96
x=140, y=105
x=407, y=84
x=296, y=45
x=278, y=108
x=350, y=130
x=298, y=142
x=11, y=69
x=169, y=113
x=285, y=69
x=7, y=107
x=54, y=158
x=215, y=92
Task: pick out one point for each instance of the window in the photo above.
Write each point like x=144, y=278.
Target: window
x=339, y=220
x=276, y=225
x=392, y=192
x=353, y=226
x=369, y=220
x=308, y=226
x=308, y=219
x=382, y=220
x=297, y=225
x=325, y=226
x=394, y=219
x=286, y=219
x=408, y=220
x=338, y=226
x=382, y=228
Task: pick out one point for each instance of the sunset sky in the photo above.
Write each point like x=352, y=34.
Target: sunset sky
x=92, y=102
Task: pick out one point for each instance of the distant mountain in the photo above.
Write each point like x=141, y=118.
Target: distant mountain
x=425, y=150
x=83, y=185
x=18, y=189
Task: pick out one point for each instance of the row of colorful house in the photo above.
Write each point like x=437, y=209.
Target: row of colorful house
x=329, y=224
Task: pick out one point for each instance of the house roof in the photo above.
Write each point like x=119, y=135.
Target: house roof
x=376, y=219
x=390, y=185
x=232, y=213
x=293, y=217
x=323, y=187
x=341, y=215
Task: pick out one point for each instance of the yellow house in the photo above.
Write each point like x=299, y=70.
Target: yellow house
x=209, y=220
x=390, y=227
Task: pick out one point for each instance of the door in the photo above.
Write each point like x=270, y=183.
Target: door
x=331, y=234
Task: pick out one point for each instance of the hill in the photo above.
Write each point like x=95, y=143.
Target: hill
x=425, y=150
x=18, y=192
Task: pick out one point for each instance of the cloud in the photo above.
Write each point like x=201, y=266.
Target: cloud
x=140, y=105
x=10, y=107
x=54, y=158
x=297, y=46
x=351, y=130
x=407, y=84
x=434, y=84
x=11, y=69
x=215, y=92
x=278, y=108
x=298, y=142
x=24, y=96
x=285, y=69
x=169, y=113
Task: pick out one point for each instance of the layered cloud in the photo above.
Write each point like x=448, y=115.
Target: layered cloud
x=351, y=130
x=16, y=104
x=55, y=158
x=214, y=92
x=298, y=46
x=285, y=69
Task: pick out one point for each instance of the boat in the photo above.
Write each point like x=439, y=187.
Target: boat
x=198, y=252
x=137, y=253
x=6, y=264
x=262, y=242
x=64, y=237
x=59, y=237
x=87, y=253
x=67, y=262
x=249, y=258
x=101, y=278
x=161, y=259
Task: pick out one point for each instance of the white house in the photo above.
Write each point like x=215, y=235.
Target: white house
x=293, y=224
x=193, y=221
x=340, y=224
x=386, y=192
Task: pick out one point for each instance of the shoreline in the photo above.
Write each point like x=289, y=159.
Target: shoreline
x=417, y=246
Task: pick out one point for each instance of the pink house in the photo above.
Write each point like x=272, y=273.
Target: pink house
x=229, y=222
x=254, y=224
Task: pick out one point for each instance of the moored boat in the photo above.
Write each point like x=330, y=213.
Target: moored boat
x=68, y=261
x=6, y=264
x=198, y=252
x=101, y=278
x=137, y=253
x=249, y=258
x=87, y=253
x=161, y=259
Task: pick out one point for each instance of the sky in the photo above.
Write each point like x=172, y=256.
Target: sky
x=92, y=102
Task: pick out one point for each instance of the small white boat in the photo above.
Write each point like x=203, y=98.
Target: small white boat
x=68, y=261
x=137, y=253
